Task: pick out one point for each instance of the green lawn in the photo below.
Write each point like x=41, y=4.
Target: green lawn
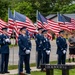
x=11, y=67
x=56, y=72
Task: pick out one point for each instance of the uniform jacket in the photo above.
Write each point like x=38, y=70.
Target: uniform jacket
x=24, y=44
x=38, y=40
x=46, y=44
x=4, y=44
x=61, y=45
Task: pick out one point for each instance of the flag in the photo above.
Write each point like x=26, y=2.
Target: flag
x=69, y=22
x=48, y=24
x=61, y=22
x=42, y=23
x=10, y=19
x=2, y=25
x=54, y=26
x=21, y=20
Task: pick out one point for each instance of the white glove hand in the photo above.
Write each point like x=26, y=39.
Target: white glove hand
x=48, y=52
x=7, y=40
x=27, y=52
x=64, y=51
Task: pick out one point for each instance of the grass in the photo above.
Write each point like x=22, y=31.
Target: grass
x=56, y=72
x=11, y=67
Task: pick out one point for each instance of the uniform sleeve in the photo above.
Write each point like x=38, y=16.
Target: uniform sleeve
x=2, y=41
x=20, y=44
x=37, y=40
x=58, y=44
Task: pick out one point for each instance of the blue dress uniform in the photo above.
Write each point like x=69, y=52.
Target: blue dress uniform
x=4, y=42
x=46, y=48
x=24, y=56
x=39, y=48
x=61, y=49
x=0, y=57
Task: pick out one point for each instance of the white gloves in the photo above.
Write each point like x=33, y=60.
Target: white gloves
x=27, y=51
x=48, y=52
x=7, y=40
x=64, y=51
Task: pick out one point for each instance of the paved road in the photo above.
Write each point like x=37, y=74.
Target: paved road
x=14, y=53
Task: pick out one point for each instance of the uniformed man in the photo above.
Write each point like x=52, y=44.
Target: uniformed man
x=71, y=41
x=24, y=51
x=61, y=48
x=46, y=47
x=4, y=42
x=39, y=47
x=0, y=57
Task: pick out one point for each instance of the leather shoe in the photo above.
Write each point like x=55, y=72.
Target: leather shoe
x=22, y=73
x=7, y=72
x=2, y=72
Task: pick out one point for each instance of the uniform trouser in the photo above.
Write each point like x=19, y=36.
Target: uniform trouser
x=45, y=58
x=0, y=62
x=39, y=58
x=61, y=58
x=26, y=60
x=4, y=62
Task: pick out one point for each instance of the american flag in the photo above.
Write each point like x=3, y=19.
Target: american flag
x=22, y=20
x=69, y=22
x=4, y=24
x=42, y=23
x=54, y=26
x=11, y=23
x=61, y=22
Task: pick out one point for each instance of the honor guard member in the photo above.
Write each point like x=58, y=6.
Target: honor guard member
x=24, y=51
x=46, y=47
x=39, y=47
x=61, y=48
x=4, y=42
x=0, y=55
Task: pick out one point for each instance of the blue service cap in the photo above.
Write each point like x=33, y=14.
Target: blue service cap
x=40, y=28
x=62, y=31
x=44, y=31
x=23, y=28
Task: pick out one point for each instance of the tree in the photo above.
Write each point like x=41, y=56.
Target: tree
x=3, y=8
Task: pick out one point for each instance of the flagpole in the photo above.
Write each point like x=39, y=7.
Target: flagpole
x=13, y=45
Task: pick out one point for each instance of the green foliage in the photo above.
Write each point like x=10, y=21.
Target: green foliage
x=29, y=7
x=68, y=9
x=3, y=8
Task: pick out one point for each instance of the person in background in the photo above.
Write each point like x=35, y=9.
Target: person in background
x=4, y=42
x=39, y=47
x=61, y=48
x=24, y=52
x=46, y=47
x=71, y=41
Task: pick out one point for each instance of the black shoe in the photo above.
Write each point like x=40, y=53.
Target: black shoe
x=2, y=72
x=7, y=72
x=38, y=67
x=69, y=60
x=72, y=59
